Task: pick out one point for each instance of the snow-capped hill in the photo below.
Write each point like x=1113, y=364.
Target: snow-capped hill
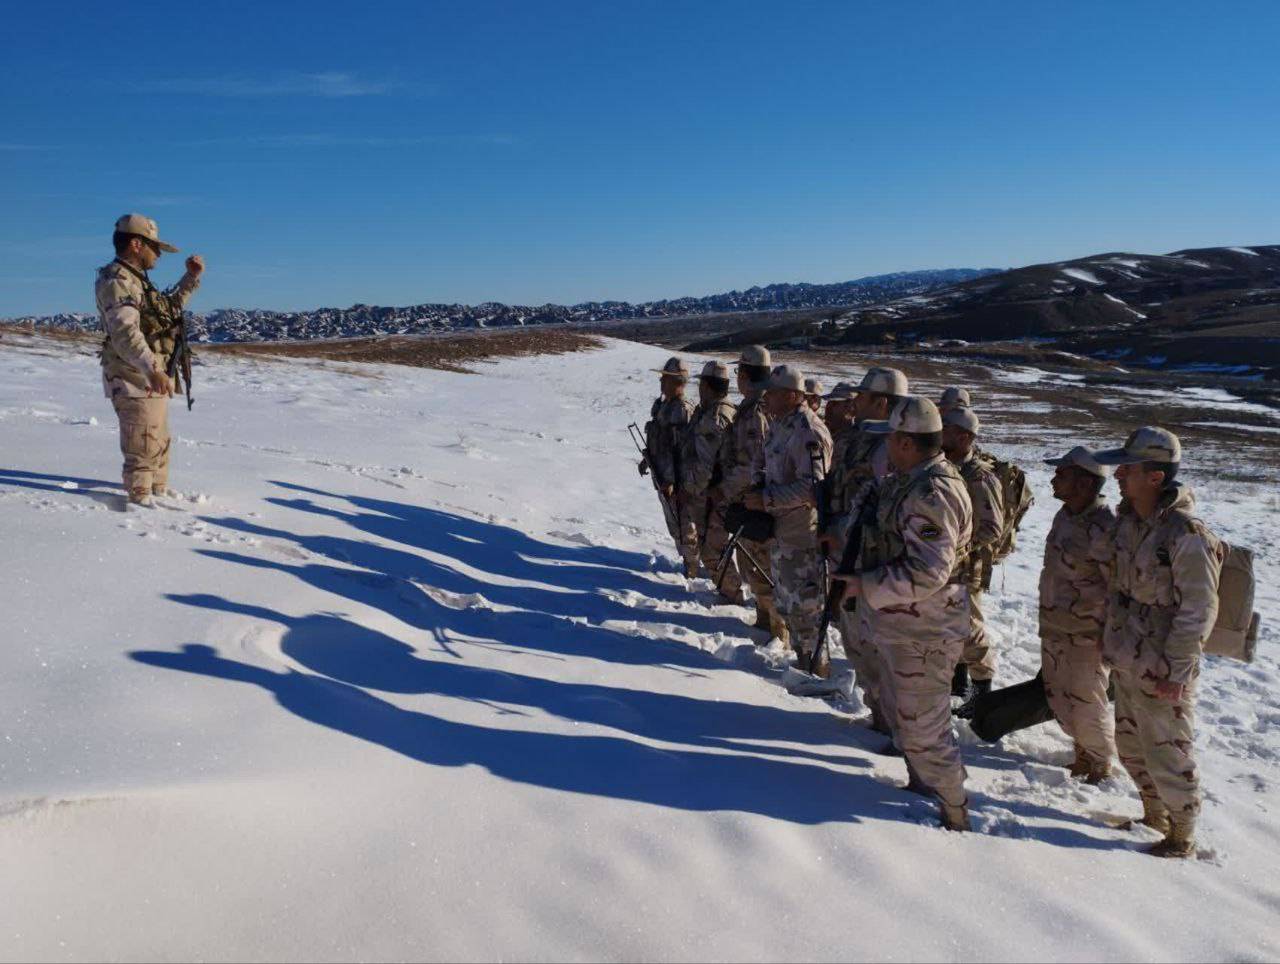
x=240, y=324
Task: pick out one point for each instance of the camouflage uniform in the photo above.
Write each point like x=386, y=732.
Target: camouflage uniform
x=664, y=436
x=859, y=459
x=988, y=524
x=738, y=452
x=788, y=471
x=1073, y=602
x=138, y=321
x=1163, y=602
x=699, y=454
x=912, y=579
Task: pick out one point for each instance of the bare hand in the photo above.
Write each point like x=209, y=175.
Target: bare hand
x=668, y=490
x=158, y=383
x=195, y=266
x=1169, y=691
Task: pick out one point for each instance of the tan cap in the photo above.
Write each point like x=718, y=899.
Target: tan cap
x=954, y=398
x=843, y=392
x=715, y=369
x=884, y=381
x=812, y=386
x=915, y=414
x=786, y=378
x=674, y=366
x=1082, y=458
x=144, y=228
x=1147, y=444
x=962, y=417
x=756, y=355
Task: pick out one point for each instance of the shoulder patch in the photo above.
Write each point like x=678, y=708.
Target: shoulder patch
x=930, y=532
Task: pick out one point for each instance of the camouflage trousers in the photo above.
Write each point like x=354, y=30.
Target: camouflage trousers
x=1155, y=740
x=979, y=654
x=144, y=441
x=761, y=552
x=863, y=656
x=915, y=693
x=680, y=524
x=710, y=531
x=1075, y=682
x=799, y=593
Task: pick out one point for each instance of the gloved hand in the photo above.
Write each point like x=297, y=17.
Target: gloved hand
x=644, y=466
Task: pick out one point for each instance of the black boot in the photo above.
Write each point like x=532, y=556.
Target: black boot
x=960, y=681
x=979, y=689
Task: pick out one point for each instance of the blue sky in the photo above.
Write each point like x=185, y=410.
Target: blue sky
x=331, y=153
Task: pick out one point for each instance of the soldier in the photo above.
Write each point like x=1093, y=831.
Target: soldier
x=860, y=458
x=911, y=577
x=959, y=432
x=1162, y=604
x=787, y=475
x=742, y=443
x=953, y=397
x=839, y=413
x=140, y=324
x=707, y=428
x=813, y=394
x=663, y=433
x=1073, y=602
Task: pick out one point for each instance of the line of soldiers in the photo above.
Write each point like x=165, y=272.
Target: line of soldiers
x=888, y=517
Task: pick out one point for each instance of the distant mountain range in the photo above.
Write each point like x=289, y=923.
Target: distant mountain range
x=1216, y=309
x=237, y=324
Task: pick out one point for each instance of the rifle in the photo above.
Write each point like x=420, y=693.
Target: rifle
x=824, y=579
x=642, y=445
x=179, y=368
x=849, y=562
x=722, y=564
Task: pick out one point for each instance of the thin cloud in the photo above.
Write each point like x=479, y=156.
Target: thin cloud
x=342, y=140
x=330, y=83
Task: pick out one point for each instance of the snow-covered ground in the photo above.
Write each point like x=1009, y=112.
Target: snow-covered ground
x=408, y=674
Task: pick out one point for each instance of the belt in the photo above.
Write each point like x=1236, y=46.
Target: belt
x=1128, y=602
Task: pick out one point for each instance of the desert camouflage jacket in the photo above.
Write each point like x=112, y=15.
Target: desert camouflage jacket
x=742, y=444
x=1073, y=581
x=700, y=451
x=795, y=457
x=988, y=515
x=1163, y=593
x=138, y=322
x=664, y=434
x=914, y=554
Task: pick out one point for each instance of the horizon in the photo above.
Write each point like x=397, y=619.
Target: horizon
x=323, y=157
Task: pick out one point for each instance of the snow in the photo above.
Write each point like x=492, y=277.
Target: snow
x=1079, y=274
x=1248, y=251
x=1123, y=303
x=407, y=672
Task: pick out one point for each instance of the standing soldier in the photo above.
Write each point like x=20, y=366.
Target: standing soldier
x=707, y=428
x=788, y=474
x=1162, y=604
x=742, y=444
x=141, y=331
x=1073, y=602
x=959, y=433
x=953, y=397
x=813, y=394
x=839, y=413
x=911, y=577
x=663, y=435
x=860, y=459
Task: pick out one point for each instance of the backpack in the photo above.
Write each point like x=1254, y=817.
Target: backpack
x=1235, y=634
x=1016, y=491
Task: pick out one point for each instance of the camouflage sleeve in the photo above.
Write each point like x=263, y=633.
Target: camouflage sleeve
x=809, y=454
x=1196, y=568
x=748, y=448
x=706, y=443
x=988, y=511
x=119, y=301
x=181, y=292
x=1095, y=575
x=930, y=526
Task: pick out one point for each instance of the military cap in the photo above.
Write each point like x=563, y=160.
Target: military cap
x=786, y=378
x=914, y=414
x=884, y=381
x=756, y=355
x=674, y=366
x=1147, y=444
x=1082, y=458
x=962, y=416
x=812, y=386
x=954, y=398
x=715, y=369
x=843, y=392
x=143, y=227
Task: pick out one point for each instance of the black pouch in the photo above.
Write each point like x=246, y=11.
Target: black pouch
x=756, y=526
